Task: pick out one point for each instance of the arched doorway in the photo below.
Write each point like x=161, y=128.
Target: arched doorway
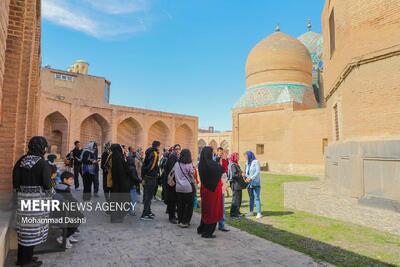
x=159, y=131
x=95, y=128
x=130, y=133
x=56, y=132
x=225, y=145
x=184, y=136
x=201, y=144
x=213, y=144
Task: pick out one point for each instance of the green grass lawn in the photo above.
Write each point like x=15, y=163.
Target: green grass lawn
x=337, y=242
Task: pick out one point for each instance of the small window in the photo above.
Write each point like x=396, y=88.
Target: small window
x=336, y=118
x=260, y=149
x=63, y=77
x=332, y=33
x=324, y=145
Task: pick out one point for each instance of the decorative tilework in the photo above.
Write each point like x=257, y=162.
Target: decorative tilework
x=276, y=93
x=314, y=43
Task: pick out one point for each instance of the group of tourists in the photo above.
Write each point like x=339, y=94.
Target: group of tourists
x=126, y=173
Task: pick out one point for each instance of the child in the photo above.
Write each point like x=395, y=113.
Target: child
x=53, y=175
x=63, y=193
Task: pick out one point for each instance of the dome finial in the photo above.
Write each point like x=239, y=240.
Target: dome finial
x=309, y=24
x=278, y=27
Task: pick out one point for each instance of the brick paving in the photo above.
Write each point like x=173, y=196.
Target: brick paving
x=159, y=243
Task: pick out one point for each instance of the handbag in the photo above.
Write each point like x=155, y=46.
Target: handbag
x=241, y=181
x=171, y=178
x=191, y=182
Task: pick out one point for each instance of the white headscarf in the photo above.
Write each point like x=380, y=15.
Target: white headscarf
x=88, y=147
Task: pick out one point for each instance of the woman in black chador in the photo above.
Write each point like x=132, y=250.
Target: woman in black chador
x=120, y=182
x=31, y=180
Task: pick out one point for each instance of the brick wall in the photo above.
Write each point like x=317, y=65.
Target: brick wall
x=362, y=27
x=293, y=140
x=129, y=133
x=367, y=95
x=184, y=136
x=4, y=6
x=93, y=130
x=159, y=131
x=21, y=62
x=56, y=133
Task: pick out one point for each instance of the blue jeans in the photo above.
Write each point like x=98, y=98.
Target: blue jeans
x=196, y=203
x=254, y=194
x=221, y=223
x=133, y=197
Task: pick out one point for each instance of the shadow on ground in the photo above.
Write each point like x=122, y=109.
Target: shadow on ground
x=316, y=249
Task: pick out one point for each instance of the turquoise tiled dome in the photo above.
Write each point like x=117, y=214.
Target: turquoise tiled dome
x=313, y=42
x=276, y=93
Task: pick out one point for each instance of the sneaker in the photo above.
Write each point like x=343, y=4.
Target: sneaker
x=224, y=229
x=173, y=221
x=259, y=216
x=152, y=214
x=147, y=218
x=73, y=239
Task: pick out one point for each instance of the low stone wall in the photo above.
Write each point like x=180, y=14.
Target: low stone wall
x=321, y=198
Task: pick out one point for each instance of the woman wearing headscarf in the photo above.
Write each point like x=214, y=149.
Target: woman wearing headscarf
x=235, y=175
x=119, y=181
x=170, y=191
x=185, y=187
x=133, y=178
x=31, y=179
x=104, y=158
x=89, y=168
x=211, y=193
x=253, y=178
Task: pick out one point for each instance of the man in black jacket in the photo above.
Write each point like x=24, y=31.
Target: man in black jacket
x=150, y=174
x=76, y=158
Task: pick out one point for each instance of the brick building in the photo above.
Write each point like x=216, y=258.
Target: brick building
x=339, y=119
x=362, y=92
x=20, y=29
x=19, y=80
x=280, y=117
x=215, y=139
x=75, y=106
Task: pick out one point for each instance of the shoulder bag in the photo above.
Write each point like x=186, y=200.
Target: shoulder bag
x=191, y=182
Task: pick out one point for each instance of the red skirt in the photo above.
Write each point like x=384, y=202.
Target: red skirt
x=211, y=207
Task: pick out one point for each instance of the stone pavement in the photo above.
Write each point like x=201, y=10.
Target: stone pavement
x=159, y=243
x=320, y=198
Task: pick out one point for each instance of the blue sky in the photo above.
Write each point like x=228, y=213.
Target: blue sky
x=183, y=56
